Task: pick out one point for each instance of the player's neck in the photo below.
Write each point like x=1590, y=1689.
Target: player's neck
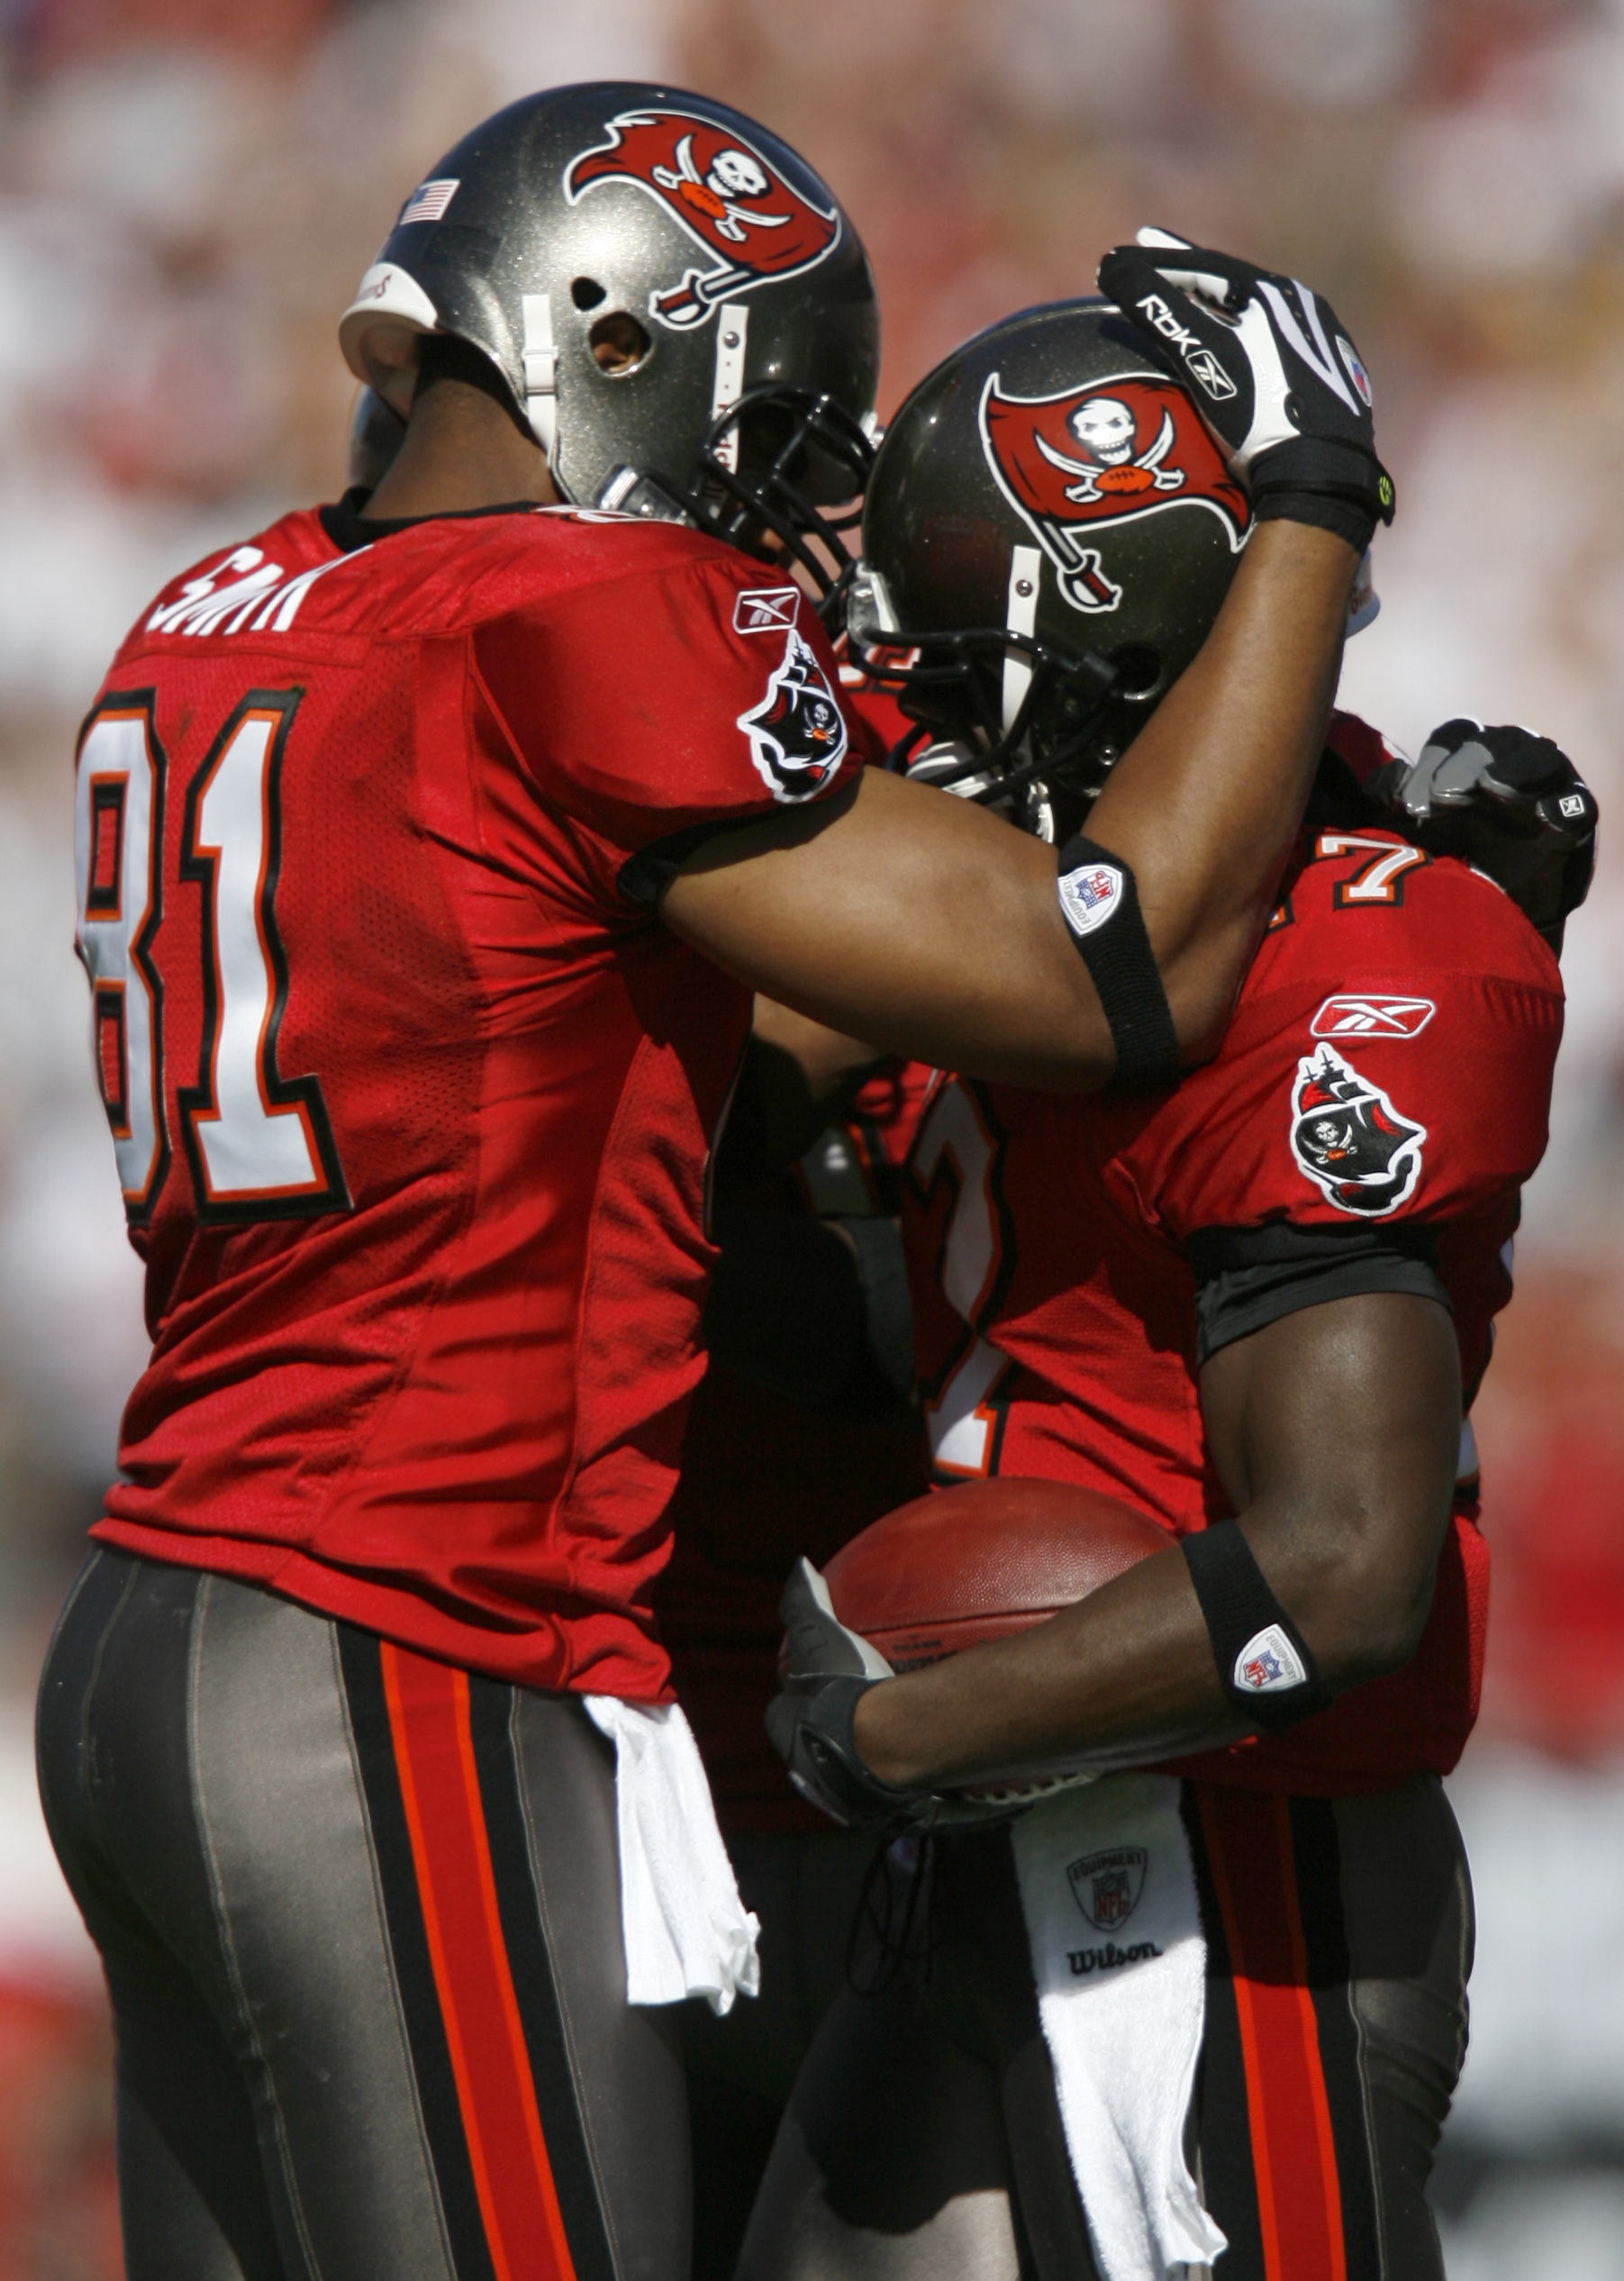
x=461, y=451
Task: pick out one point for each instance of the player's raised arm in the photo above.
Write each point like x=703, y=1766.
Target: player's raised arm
x=910, y=921
x=930, y=927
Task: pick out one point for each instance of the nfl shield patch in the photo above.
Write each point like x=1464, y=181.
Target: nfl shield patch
x=1269, y=1664
x=1106, y=1887
x=1089, y=896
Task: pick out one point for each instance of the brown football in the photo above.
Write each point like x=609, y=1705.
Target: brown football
x=981, y=1560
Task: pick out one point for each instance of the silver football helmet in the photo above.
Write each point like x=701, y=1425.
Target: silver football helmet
x=683, y=315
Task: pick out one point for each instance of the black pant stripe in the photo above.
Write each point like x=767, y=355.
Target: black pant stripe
x=1222, y=2122
x=490, y=1710
x=1318, y=1853
x=361, y=1664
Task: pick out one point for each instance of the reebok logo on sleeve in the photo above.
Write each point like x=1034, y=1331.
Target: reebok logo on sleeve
x=1372, y=1014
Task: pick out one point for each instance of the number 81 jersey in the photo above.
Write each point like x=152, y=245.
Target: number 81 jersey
x=410, y=1094
x=259, y=1146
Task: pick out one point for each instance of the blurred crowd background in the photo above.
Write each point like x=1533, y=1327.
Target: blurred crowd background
x=188, y=192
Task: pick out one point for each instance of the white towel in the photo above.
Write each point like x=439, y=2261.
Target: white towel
x=686, y=1929
x=1114, y=1923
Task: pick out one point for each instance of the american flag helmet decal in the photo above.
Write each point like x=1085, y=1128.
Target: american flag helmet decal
x=429, y=200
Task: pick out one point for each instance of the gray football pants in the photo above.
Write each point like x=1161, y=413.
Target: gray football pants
x=361, y=1918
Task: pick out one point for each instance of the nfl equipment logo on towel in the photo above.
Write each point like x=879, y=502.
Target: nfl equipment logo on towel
x=1106, y=1887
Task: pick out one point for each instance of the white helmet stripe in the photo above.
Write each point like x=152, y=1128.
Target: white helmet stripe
x=733, y=331
x=541, y=372
x=1026, y=568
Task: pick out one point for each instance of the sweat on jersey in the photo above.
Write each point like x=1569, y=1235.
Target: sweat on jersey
x=1384, y=1089
x=412, y=1093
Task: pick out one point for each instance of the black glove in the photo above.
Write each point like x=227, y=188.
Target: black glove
x=1509, y=803
x=1275, y=376
x=829, y=1668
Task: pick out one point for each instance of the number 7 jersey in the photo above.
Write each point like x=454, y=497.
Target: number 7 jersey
x=410, y=1091
x=1380, y=1097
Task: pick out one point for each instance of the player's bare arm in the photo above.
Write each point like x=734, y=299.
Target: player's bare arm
x=930, y=927
x=1336, y=1432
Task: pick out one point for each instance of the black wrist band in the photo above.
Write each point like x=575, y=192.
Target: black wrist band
x=1100, y=903
x=1318, y=508
x=1320, y=468
x=1266, y=1667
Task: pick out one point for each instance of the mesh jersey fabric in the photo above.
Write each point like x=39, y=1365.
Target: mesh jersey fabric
x=1392, y=998
x=450, y=1409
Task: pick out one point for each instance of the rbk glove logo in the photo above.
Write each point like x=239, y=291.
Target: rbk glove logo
x=1110, y=452
x=733, y=203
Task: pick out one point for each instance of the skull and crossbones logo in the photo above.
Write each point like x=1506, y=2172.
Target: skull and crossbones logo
x=734, y=174
x=1105, y=429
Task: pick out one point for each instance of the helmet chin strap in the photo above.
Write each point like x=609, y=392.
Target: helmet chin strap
x=541, y=372
x=1020, y=616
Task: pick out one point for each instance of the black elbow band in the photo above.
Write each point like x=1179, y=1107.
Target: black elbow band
x=1266, y=1667
x=1100, y=903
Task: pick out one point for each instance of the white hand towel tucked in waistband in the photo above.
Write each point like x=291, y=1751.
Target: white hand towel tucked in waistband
x=686, y=1929
x=1114, y=1922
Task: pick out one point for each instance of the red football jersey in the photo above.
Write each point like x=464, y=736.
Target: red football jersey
x=1390, y=1060
x=411, y=1095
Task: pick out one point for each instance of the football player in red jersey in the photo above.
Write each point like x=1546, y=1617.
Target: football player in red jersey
x=1256, y=1308
x=426, y=856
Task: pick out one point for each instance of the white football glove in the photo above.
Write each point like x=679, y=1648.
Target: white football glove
x=1272, y=371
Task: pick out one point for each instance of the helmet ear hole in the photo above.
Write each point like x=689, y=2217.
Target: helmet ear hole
x=1141, y=672
x=586, y=292
x=618, y=343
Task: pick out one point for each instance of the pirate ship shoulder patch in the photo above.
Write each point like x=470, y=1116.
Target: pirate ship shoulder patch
x=1347, y=1138
x=797, y=732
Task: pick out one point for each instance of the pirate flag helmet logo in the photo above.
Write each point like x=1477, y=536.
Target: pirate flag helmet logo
x=1350, y=1140
x=730, y=198
x=797, y=733
x=1112, y=451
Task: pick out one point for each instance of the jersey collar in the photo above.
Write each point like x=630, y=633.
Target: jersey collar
x=344, y=526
